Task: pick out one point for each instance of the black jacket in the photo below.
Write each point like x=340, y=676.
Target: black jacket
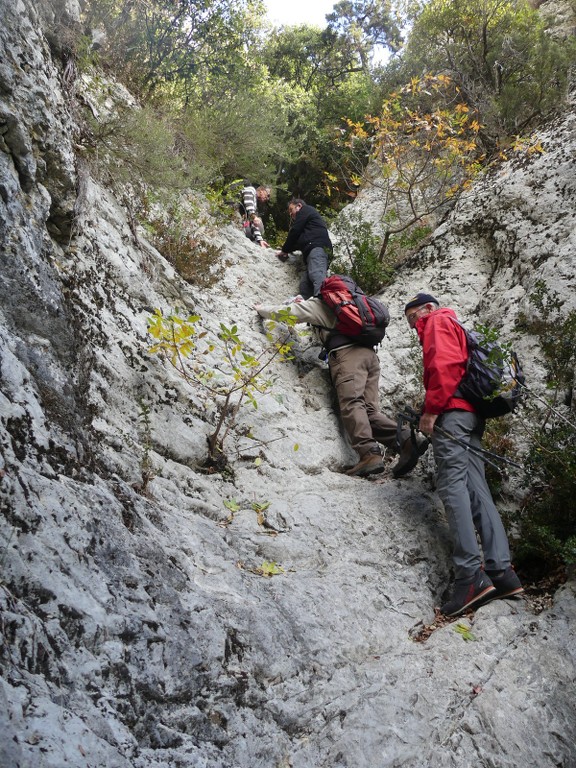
x=307, y=231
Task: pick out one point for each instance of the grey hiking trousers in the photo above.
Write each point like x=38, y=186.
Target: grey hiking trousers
x=316, y=271
x=466, y=497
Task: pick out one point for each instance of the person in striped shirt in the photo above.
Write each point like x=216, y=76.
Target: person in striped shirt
x=252, y=222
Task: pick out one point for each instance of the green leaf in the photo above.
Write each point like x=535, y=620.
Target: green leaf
x=271, y=568
x=256, y=506
x=465, y=631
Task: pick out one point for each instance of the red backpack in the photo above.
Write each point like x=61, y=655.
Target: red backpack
x=362, y=318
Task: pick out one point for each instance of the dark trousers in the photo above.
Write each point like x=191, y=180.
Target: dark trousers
x=316, y=271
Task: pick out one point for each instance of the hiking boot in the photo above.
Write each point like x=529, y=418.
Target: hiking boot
x=370, y=464
x=469, y=592
x=506, y=582
x=412, y=448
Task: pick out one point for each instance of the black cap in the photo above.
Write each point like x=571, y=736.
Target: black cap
x=419, y=299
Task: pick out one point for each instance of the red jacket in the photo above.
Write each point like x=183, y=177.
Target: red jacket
x=445, y=356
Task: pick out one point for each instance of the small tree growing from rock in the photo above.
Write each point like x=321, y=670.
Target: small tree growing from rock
x=424, y=150
x=236, y=376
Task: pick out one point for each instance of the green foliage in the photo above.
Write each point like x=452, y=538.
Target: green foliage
x=139, y=147
x=172, y=46
x=270, y=568
x=424, y=152
x=260, y=509
x=362, y=254
x=365, y=24
x=321, y=81
x=402, y=244
x=556, y=331
x=241, y=135
x=238, y=373
x=465, y=632
x=234, y=99
x=508, y=68
x=548, y=523
x=304, y=56
x=192, y=254
x=497, y=440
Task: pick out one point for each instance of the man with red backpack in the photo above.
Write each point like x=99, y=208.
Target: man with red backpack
x=355, y=373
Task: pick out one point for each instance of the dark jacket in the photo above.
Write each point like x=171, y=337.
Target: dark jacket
x=308, y=231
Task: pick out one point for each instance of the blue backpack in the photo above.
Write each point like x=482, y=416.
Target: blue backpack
x=493, y=382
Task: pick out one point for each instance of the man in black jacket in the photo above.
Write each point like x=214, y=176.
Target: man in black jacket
x=308, y=233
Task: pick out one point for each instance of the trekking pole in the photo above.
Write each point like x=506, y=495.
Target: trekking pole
x=482, y=452
x=413, y=417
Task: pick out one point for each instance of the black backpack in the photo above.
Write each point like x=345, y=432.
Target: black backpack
x=362, y=318
x=493, y=382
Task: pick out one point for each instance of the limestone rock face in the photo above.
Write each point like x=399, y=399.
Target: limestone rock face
x=137, y=628
x=512, y=230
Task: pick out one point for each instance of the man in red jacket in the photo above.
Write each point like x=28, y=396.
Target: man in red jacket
x=454, y=426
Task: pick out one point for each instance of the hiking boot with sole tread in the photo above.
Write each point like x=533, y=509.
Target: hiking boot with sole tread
x=469, y=592
x=371, y=464
x=506, y=582
x=410, y=452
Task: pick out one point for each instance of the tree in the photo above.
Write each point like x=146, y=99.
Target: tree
x=176, y=43
x=366, y=24
x=424, y=152
x=322, y=82
x=237, y=376
x=508, y=68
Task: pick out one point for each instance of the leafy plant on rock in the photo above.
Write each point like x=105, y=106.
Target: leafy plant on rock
x=235, y=378
x=361, y=258
x=194, y=257
x=508, y=67
x=548, y=523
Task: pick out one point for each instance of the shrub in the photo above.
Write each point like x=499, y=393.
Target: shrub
x=548, y=528
x=557, y=333
x=194, y=257
x=507, y=66
x=497, y=440
x=140, y=147
x=548, y=522
x=236, y=378
x=361, y=258
x=425, y=151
